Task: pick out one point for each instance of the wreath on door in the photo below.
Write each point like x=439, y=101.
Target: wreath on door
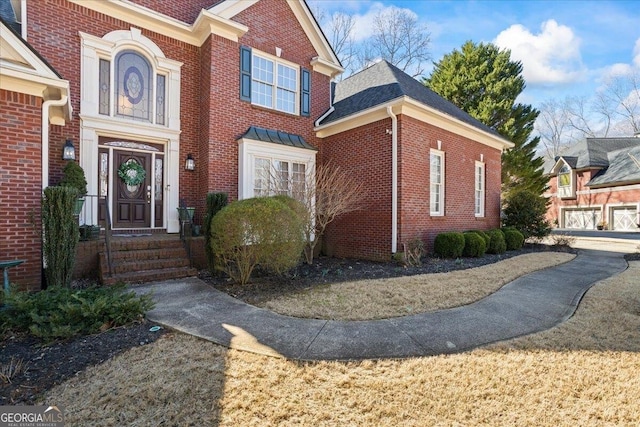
x=132, y=173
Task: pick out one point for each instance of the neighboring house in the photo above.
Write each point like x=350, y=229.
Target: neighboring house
x=597, y=182
x=236, y=88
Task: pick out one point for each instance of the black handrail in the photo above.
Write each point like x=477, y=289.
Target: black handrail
x=107, y=235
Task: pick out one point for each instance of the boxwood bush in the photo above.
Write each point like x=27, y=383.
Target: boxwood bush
x=497, y=245
x=513, y=238
x=261, y=231
x=474, y=245
x=482, y=234
x=449, y=245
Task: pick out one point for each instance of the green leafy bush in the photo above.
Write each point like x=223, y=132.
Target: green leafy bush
x=526, y=211
x=513, y=238
x=60, y=234
x=474, y=245
x=482, y=234
x=497, y=244
x=262, y=231
x=215, y=203
x=73, y=176
x=449, y=245
x=62, y=313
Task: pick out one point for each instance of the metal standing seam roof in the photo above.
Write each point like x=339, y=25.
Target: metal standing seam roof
x=384, y=82
x=277, y=137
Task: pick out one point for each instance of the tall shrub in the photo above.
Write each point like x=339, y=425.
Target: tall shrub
x=73, y=176
x=526, y=211
x=215, y=203
x=261, y=231
x=60, y=234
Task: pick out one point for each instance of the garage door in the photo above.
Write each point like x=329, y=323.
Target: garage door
x=624, y=218
x=584, y=219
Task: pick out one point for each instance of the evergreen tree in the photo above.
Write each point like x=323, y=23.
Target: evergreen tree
x=482, y=80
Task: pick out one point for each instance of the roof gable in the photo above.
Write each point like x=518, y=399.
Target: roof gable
x=326, y=62
x=382, y=84
x=623, y=168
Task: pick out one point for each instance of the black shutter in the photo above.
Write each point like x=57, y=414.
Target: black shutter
x=305, y=93
x=245, y=73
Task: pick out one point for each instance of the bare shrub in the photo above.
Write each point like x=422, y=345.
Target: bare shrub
x=14, y=367
x=562, y=240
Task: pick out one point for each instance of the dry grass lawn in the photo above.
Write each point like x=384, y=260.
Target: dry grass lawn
x=400, y=296
x=585, y=372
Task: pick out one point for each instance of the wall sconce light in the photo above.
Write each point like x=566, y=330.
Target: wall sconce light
x=190, y=164
x=69, y=151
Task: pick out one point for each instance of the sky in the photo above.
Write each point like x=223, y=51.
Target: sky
x=567, y=48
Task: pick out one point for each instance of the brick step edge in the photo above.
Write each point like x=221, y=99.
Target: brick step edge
x=150, y=276
x=133, y=266
x=146, y=254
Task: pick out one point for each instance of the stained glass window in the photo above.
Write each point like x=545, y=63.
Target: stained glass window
x=133, y=86
x=105, y=84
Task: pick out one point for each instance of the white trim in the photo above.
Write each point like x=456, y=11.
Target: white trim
x=610, y=189
x=250, y=149
x=274, y=96
x=205, y=24
x=412, y=108
x=394, y=180
x=93, y=125
x=481, y=165
x=443, y=174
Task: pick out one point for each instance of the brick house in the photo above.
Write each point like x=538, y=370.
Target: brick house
x=205, y=95
x=597, y=182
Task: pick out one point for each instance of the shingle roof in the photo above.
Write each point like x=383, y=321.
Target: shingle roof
x=384, y=82
x=622, y=168
x=594, y=152
x=277, y=137
x=8, y=15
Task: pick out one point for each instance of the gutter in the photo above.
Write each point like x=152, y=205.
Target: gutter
x=46, y=105
x=394, y=180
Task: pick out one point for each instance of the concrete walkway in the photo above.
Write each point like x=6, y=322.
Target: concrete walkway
x=532, y=303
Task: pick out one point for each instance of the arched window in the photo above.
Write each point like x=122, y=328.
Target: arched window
x=138, y=93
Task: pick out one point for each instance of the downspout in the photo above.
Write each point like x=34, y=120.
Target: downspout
x=45, y=135
x=394, y=180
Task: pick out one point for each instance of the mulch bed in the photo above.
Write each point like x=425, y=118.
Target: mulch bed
x=49, y=365
x=325, y=270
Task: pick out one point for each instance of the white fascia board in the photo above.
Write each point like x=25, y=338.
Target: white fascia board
x=422, y=112
x=230, y=8
x=325, y=67
x=361, y=118
x=139, y=16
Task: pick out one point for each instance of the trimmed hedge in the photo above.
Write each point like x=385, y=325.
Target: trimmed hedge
x=497, y=245
x=482, y=234
x=449, y=245
x=474, y=245
x=513, y=238
x=262, y=231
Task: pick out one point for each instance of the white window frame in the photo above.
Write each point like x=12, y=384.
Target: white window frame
x=479, y=193
x=440, y=211
x=568, y=190
x=250, y=150
x=94, y=124
x=274, y=86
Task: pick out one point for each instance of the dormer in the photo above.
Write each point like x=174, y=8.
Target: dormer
x=566, y=177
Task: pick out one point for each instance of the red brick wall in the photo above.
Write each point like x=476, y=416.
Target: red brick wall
x=599, y=197
x=271, y=24
x=21, y=186
x=417, y=139
x=61, y=47
x=184, y=10
x=367, y=153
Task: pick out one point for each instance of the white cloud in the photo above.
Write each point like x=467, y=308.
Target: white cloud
x=550, y=57
x=636, y=54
